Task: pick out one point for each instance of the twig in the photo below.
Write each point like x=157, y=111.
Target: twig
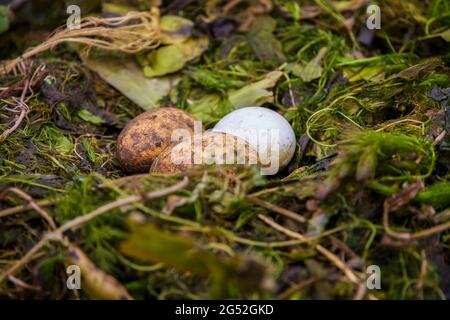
x=328, y=254
x=122, y=180
x=360, y=292
x=24, y=260
x=38, y=76
x=121, y=202
x=297, y=287
x=32, y=204
x=23, y=284
x=410, y=236
x=423, y=274
x=23, y=111
x=24, y=207
x=285, y=212
x=440, y=138
x=56, y=235
x=430, y=231
x=345, y=248
x=132, y=33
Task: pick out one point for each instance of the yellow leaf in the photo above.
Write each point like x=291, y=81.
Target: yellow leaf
x=172, y=58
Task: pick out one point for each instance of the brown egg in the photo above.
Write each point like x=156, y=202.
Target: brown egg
x=144, y=137
x=210, y=148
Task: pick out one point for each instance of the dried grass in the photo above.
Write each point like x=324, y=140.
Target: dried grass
x=132, y=33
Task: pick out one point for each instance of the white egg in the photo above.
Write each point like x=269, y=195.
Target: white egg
x=265, y=130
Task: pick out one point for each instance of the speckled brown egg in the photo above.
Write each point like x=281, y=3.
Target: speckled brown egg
x=144, y=137
x=210, y=148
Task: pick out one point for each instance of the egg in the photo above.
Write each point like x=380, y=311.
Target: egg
x=208, y=148
x=265, y=130
x=144, y=137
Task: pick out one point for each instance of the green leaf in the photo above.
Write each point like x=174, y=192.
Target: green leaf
x=87, y=116
x=210, y=108
x=126, y=76
x=312, y=70
x=175, y=29
x=171, y=58
x=294, y=9
x=369, y=73
x=419, y=70
x=89, y=149
x=181, y=252
x=255, y=93
x=56, y=139
x=446, y=35
x=63, y=144
x=263, y=42
x=4, y=19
